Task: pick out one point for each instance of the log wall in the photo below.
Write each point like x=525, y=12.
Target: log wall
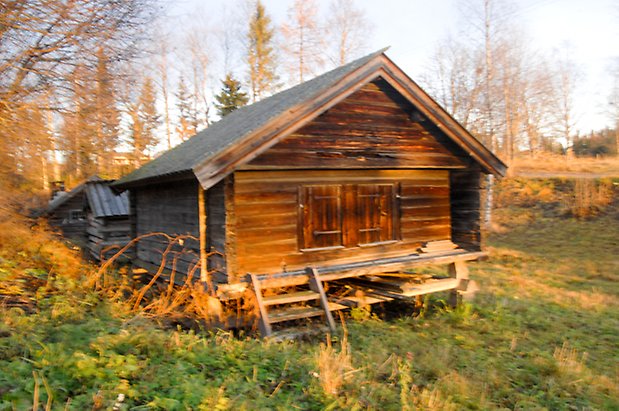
x=60, y=218
x=374, y=127
x=105, y=232
x=466, y=208
x=266, y=212
x=171, y=209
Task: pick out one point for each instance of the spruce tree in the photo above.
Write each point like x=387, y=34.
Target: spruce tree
x=107, y=115
x=144, y=121
x=186, y=114
x=231, y=97
x=260, y=53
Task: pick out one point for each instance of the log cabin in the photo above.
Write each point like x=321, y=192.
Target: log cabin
x=354, y=173
x=92, y=216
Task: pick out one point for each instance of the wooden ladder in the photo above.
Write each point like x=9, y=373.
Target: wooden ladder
x=284, y=311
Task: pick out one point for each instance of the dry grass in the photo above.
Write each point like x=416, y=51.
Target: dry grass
x=334, y=366
x=569, y=360
x=413, y=397
x=519, y=201
x=589, y=198
x=163, y=297
x=559, y=164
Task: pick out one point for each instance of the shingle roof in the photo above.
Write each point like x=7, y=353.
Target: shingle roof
x=104, y=203
x=102, y=200
x=236, y=125
x=63, y=197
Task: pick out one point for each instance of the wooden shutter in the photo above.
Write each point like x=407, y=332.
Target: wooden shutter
x=376, y=213
x=321, y=216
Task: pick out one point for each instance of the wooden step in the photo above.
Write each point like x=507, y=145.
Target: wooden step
x=297, y=312
x=297, y=297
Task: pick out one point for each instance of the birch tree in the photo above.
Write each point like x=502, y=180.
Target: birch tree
x=303, y=42
x=613, y=103
x=80, y=128
x=454, y=79
x=197, y=44
x=163, y=68
x=348, y=30
x=566, y=75
x=41, y=41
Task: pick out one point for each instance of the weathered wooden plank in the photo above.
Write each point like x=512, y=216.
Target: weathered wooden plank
x=334, y=272
x=249, y=178
x=375, y=160
x=373, y=125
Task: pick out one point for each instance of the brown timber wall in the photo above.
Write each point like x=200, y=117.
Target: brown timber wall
x=265, y=205
x=374, y=127
x=171, y=209
x=466, y=208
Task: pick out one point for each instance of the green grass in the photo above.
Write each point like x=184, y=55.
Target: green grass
x=541, y=334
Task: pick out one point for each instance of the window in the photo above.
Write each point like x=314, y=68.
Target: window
x=375, y=213
x=76, y=215
x=321, y=216
x=347, y=215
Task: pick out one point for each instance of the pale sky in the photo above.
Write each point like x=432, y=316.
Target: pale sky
x=412, y=28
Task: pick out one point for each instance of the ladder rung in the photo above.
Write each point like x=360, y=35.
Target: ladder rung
x=290, y=298
x=295, y=313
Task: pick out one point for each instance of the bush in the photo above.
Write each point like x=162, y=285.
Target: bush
x=580, y=198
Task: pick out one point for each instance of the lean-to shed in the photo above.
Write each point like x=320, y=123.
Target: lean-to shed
x=357, y=171
x=91, y=215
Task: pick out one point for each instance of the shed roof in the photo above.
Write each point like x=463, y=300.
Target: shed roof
x=102, y=200
x=246, y=132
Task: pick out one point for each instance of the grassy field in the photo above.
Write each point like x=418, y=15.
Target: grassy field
x=543, y=333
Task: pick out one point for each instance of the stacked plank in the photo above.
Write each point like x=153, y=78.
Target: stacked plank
x=373, y=289
x=438, y=246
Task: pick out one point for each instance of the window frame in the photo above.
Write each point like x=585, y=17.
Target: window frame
x=81, y=216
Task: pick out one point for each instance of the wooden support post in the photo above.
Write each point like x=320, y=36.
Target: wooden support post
x=202, y=219
x=460, y=271
x=316, y=286
x=263, y=322
x=230, y=247
x=133, y=224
